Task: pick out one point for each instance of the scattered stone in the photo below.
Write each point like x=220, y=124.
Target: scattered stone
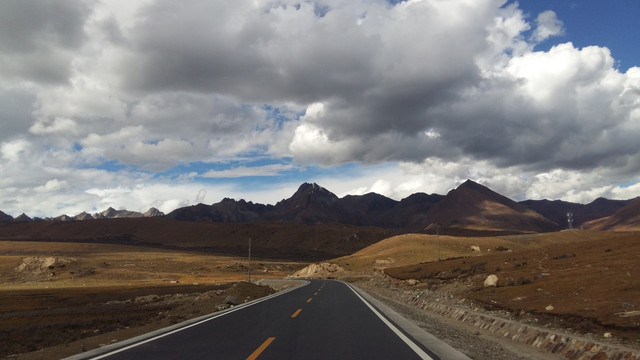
x=413, y=282
x=491, y=280
x=549, y=308
x=475, y=248
x=629, y=313
x=231, y=300
x=607, y=335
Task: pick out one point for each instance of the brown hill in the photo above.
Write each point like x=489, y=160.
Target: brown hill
x=557, y=210
x=473, y=207
x=278, y=240
x=625, y=219
x=589, y=277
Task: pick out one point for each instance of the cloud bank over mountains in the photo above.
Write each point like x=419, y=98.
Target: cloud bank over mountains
x=112, y=103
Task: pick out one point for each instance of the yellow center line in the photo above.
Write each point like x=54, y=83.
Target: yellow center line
x=260, y=349
x=296, y=313
x=309, y=300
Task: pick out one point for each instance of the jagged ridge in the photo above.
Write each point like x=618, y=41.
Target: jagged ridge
x=470, y=207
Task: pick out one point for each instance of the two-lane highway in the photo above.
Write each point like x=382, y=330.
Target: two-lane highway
x=322, y=320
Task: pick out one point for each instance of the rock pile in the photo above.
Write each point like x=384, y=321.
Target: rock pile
x=38, y=265
x=320, y=270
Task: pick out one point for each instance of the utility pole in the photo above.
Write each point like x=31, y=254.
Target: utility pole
x=438, y=237
x=249, y=267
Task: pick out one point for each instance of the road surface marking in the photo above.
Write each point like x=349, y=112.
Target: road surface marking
x=198, y=322
x=423, y=355
x=296, y=313
x=309, y=300
x=254, y=355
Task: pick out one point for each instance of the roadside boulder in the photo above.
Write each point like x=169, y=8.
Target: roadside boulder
x=491, y=280
x=231, y=300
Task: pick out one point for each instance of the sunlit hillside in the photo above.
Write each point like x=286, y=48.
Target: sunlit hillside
x=410, y=249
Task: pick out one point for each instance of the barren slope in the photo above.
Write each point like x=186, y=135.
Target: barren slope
x=410, y=249
x=625, y=219
x=270, y=239
x=472, y=206
x=589, y=283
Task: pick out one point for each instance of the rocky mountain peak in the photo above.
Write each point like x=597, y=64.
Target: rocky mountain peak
x=110, y=212
x=5, y=217
x=23, y=217
x=152, y=212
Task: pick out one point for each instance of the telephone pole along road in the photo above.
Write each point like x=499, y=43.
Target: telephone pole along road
x=324, y=319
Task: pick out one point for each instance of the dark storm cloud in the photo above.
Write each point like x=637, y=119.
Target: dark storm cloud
x=254, y=52
x=454, y=85
x=386, y=75
x=15, y=117
x=37, y=38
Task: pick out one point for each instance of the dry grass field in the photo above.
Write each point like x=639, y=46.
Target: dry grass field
x=58, y=299
x=26, y=265
x=588, y=282
x=409, y=249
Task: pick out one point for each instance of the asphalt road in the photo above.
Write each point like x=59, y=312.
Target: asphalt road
x=322, y=320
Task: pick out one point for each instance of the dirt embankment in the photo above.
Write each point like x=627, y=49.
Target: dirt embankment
x=591, y=288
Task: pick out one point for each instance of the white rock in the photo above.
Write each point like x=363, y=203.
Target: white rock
x=608, y=335
x=549, y=308
x=491, y=280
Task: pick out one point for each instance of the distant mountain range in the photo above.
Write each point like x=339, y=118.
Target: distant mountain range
x=471, y=208
x=110, y=213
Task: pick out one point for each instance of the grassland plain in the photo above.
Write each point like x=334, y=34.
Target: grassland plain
x=586, y=282
x=59, y=299
x=583, y=284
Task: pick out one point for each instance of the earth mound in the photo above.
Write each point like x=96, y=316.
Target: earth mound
x=320, y=270
x=39, y=265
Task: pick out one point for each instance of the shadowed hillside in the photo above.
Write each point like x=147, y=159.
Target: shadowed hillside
x=469, y=210
x=472, y=206
x=557, y=210
x=625, y=219
x=270, y=239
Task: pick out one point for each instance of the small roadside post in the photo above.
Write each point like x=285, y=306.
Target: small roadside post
x=249, y=267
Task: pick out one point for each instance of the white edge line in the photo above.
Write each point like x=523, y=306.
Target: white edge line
x=400, y=334
x=214, y=316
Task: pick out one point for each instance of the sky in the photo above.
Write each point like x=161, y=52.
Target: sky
x=162, y=103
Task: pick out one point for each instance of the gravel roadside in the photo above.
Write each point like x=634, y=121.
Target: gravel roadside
x=473, y=342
